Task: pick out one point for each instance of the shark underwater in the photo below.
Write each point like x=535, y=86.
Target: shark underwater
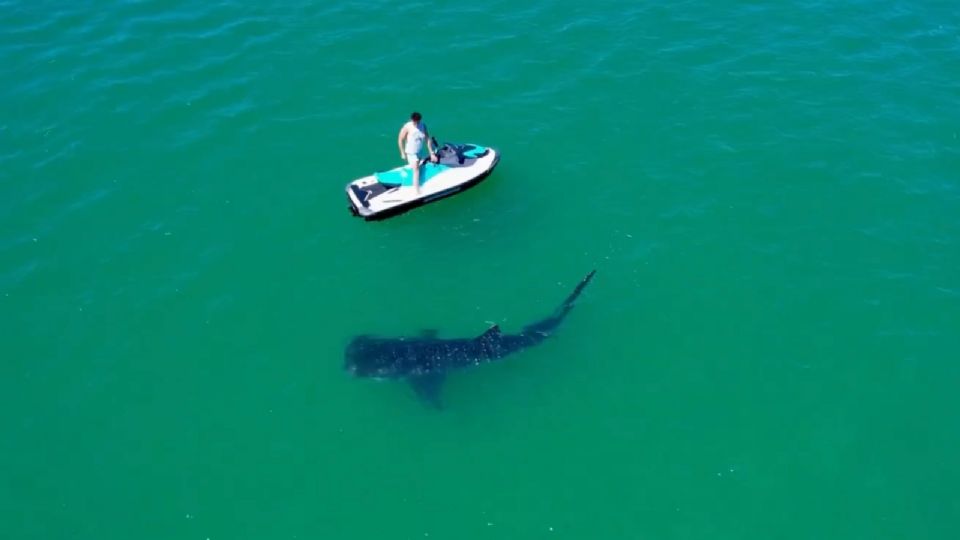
x=424, y=361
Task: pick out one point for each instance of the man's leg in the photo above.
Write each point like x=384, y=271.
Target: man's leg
x=414, y=161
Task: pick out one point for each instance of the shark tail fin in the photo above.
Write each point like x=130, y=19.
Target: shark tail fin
x=546, y=326
x=567, y=304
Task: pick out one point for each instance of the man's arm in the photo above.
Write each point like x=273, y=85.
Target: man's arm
x=426, y=134
x=403, y=131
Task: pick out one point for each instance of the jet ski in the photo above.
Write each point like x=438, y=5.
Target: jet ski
x=389, y=193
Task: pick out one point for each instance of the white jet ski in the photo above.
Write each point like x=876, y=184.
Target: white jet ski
x=389, y=193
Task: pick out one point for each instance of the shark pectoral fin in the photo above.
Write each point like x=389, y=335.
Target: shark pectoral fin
x=428, y=388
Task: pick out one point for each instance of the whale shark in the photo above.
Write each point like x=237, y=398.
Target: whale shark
x=424, y=360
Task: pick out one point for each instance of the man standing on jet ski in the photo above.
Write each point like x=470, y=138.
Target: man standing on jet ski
x=415, y=133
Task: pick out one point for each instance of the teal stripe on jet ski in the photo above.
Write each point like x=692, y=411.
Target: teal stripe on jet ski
x=404, y=175
x=474, y=152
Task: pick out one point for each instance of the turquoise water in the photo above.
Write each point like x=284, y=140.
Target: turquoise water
x=769, y=193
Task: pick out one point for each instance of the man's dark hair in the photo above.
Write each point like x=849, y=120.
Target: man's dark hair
x=415, y=117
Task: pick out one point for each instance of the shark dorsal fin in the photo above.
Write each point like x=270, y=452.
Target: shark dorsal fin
x=493, y=331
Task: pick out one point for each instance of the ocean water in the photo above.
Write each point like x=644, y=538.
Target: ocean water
x=769, y=193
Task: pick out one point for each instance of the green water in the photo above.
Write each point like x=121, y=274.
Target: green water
x=769, y=193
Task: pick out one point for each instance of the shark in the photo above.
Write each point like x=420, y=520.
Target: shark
x=425, y=360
